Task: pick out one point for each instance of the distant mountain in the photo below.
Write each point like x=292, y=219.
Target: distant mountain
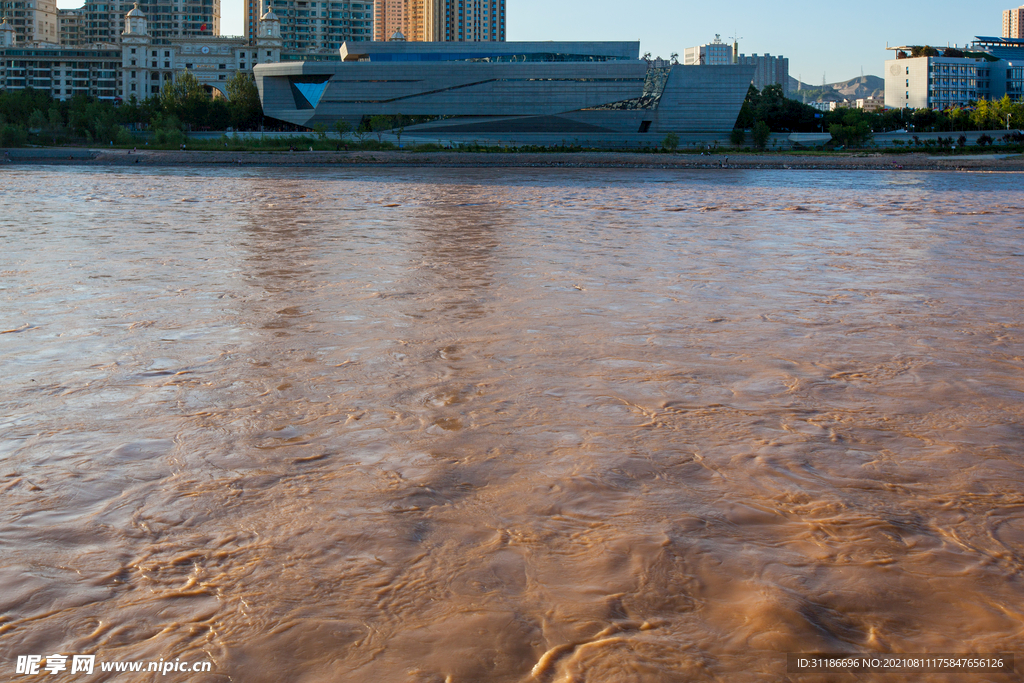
x=853, y=89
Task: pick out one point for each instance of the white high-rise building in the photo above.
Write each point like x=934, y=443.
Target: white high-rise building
x=715, y=52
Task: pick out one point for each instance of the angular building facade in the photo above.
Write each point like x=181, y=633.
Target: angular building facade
x=570, y=88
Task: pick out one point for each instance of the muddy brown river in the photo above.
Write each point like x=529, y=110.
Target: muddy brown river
x=509, y=426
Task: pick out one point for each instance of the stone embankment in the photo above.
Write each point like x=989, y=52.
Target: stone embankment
x=852, y=161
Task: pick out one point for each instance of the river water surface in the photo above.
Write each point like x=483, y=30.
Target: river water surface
x=428, y=425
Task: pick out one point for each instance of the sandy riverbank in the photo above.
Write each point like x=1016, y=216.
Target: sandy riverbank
x=873, y=161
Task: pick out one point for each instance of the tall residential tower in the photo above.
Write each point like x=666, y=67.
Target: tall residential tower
x=314, y=25
x=1013, y=23
x=440, y=20
x=33, y=21
x=184, y=18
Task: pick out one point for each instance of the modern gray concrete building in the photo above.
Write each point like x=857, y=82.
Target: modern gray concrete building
x=513, y=88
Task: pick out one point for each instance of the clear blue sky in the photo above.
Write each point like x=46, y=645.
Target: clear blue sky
x=818, y=37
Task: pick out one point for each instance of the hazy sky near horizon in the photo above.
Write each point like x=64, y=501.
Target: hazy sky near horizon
x=836, y=41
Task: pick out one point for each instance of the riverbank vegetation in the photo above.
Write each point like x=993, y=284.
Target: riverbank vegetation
x=183, y=108
x=769, y=110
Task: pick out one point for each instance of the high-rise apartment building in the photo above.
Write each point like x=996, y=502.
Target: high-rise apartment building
x=474, y=20
x=32, y=20
x=1013, y=23
x=72, y=27
x=183, y=18
x=315, y=25
x=768, y=70
x=440, y=20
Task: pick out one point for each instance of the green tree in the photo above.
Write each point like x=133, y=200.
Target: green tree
x=738, y=136
x=985, y=116
x=343, y=127
x=37, y=121
x=379, y=124
x=13, y=136
x=760, y=133
x=185, y=98
x=671, y=142
x=54, y=119
x=244, y=102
